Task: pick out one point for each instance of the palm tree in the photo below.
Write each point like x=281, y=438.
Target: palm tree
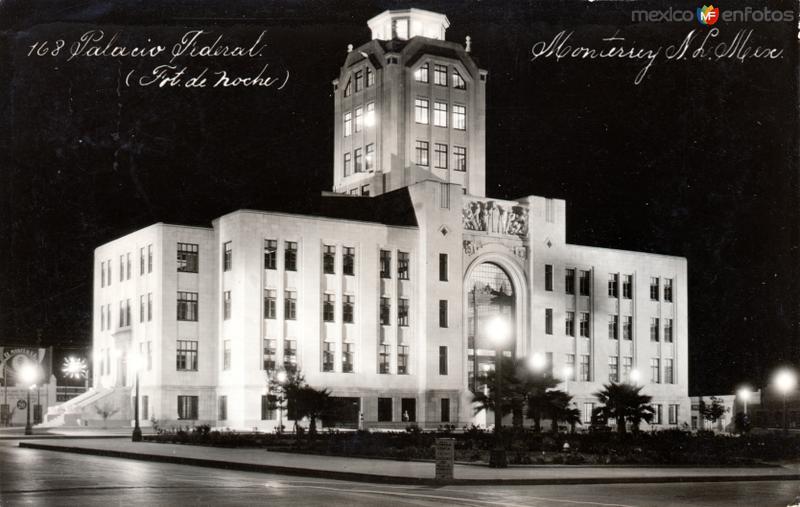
x=559, y=410
x=624, y=402
x=510, y=401
x=537, y=387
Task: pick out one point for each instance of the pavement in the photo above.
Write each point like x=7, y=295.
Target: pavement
x=402, y=472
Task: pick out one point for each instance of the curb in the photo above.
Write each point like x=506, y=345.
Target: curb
x=60, y=437
x=392, y=479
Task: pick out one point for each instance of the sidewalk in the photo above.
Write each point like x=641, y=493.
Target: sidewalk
x=400, y=472
x=18, y=433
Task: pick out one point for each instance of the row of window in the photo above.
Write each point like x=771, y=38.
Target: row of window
x=422, y=75
x=588, y=408
x=360, y=79
x=583, y=372
x=357, y=162
x=354, y=121
x=584, y=284
x=145, y=259
x=440, y=113
x=422, y=156
x=613, y=326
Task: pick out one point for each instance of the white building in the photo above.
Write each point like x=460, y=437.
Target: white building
x=375, y=294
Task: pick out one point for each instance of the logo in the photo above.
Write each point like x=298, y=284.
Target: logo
x=707, y=14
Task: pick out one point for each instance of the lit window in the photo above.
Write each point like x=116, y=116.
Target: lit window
x=421, y=74
x=459, y=158
x=359, y=80
x=655, y=371
x=669, y=377
x=440, y=156
x=458, y=81
x=627, y=367
x=370, y=158
x=440, y=114
x=348, y=124
x=459, y=117
x=613, y=369
x=588, y=408
x=422, y=150
x=585, y=373
x=369, y=118
x=348, y=350
x=440, y=75
x=421, y=111
x=290, y=355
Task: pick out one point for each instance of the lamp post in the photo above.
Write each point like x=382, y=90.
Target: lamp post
x=136, y=436
x=567, y=372
x=498, y=331
x=281, y=377
x=744, y=395
x=28, y=376
x=635, y=376
x=785, y=381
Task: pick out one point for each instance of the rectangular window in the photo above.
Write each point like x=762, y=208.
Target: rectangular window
x=654, y=288
x=459, y=117
x=227, y=256
x=585, y=283
x=584, y=325
x=270, y=354
x=290, y=305
x=102, y=273
x=186, y=355
x=669, y=376
x=141, y=308
x=348, y=123
x=359, y=160
x=226, y=355
x=445, y=409
x=384, y=352
x=149, y=260
x=548, y=321
x=359, y=75
x=348, y=350
x=349, y=260
x=421, y=74
x=226, y=305
x=328, y=305
x=613, y=369
x=442, y=313
x=668, y=330
x=386, y=264
x=613, y=285
x=268, y=402
x=627, y=327
x=440, y=156
x=384, y=410
x=223, y=408
x=585, y=373
x=348, y=164
x=102, y=318
x=328, y=353
x=421, y=111
x=422, y=150
x=654, y=329
x=403, y=265
x=440, y=75
x=128, y=266
x=458, y=81
x=668, y=290
x=459, y=158
x=188, y=257
x=121, y=268
x=370, y=158
x=108, y=316
x=141, y=261
x=127, y=312
x=290, y=256
x=402, y=359
x=588, y=408
x=627, y=286
x=443, y=267
x=370, y=77
x=270, y=254
x=442, y=360
x=270, y=303
x=655, y=371
x=149, y=356
x=440, y=114
x=402, y=313
x=145, y=407
x=569, y=324
x=548, y=277
x=348, y=309
x=613, y=327
x=290, y=355
x=673, y=414
x=657, y=417
x=187, y=407
x=187, y=306
x=328, y=259
x=385, y=311
x=627, y=367
x=569, y=281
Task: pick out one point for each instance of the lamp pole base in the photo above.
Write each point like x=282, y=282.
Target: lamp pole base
x=137, y=434
x=28, y=429
x=497, y=458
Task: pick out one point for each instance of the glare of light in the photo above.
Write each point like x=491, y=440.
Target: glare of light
x=635, y=376
x=744, y=393
x=281, y=377
x=498, y=329
x=567, y=372
x=785, y=381
x=369, y=119
x=28, y=374
x=74, y=367
x=537, y=362
x=135, y=361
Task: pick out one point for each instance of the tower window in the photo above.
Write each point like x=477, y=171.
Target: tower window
x=359, y=80
x=370, y=159
x=440, y=75
x=421, y=74
x=459, y=158
x=348, y=124
x=290, y=305
x=359, y=159
x=440, y=114
x=359, y=119
x=440, y=156
x=348, y=309
x=349, y=258
x=270, y=254
x=403, y=265
x=328, y=259
x=386, y=264
x=421, y=111
x=328, y=302
x=384, y=312
x=458, y=81
x=370, y=77
x=348, y=89
x=187, y=257
x=422, y=150
x=348, y=161
x=369, y=119
x=290, y=256
x=459, y=117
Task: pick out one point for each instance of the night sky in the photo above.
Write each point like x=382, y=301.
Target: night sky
x=699, y=160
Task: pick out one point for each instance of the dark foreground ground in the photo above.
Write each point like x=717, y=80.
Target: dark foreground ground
x=38, y=477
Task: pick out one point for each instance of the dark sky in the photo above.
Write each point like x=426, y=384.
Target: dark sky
x=699, y=160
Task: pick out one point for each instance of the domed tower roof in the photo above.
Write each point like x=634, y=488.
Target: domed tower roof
x=407, y=23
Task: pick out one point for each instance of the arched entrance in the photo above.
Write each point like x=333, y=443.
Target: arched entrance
x=490, y=292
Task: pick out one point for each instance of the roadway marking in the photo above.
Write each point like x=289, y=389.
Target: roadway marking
x=451, y=498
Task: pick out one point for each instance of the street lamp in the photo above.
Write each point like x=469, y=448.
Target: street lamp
x=28, y=376
x=136, y=363
x=635, y=376
x=785, y=381
x=498, y=331
x=281, y=377
x=537, y=362
x=567, y=372
x=744, y=395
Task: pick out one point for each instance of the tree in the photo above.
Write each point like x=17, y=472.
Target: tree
x=625, y=403
x=303, y=401
x=712, y=412
x=558, y=409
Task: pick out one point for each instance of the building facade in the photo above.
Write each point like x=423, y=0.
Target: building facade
x=381, y=293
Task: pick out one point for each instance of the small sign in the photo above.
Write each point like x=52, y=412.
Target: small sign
x=445, y=456
x=22, y=404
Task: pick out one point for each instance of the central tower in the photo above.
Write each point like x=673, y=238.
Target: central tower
x=409, y=106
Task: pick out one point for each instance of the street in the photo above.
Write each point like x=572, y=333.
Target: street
x=38, y=477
